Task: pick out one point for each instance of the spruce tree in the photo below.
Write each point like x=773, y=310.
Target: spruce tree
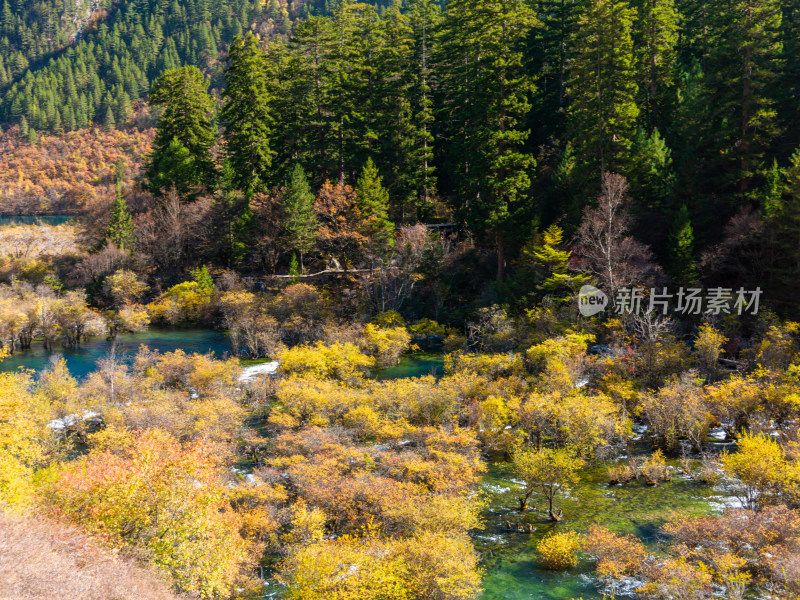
x=424, y=19
x=739, y=102
x=486, y=89
x=372, y=201
x=602, y=87
x=789, y=82
x=551, y=51
x=246, y=115
x=656, y=36
x=301, y=223
x=184, y=137
x=683, y=269
x=120, y=227
x=304, y=99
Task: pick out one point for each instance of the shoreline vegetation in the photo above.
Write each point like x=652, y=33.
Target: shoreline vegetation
x=327, y=478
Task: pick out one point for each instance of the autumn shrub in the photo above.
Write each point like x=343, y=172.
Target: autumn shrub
x=548, y=471
x=344, y=361
x=560, y=363
x=23, y=417
x=708, y=345
x=492, y=365
x=762, y=472
x=559, y=551
x=420, y=400
x=709, y=471
x=249, y=326
x=364, y=422
x=493, y=331
x=182, y=303
x=372, y=567
x=621, y=473
x=164, y=499
x=314, y=401
x=495, y=420
x=735, y=400
x=778, y=346
x=654, y=469
x=677, y=579
x=740, y=548
x=615, y=555
x=585, y=422
x=301, y=310
x=428, y=328
x=385, y=344
x=389, y=319
x=678, y=411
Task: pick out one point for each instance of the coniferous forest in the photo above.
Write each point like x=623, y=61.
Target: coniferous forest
x=406, y=300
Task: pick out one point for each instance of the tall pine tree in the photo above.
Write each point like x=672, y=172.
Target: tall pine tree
x=185, y=135
x=301, y=224
x=246, y=115
x=602, y=89
x=486, y=89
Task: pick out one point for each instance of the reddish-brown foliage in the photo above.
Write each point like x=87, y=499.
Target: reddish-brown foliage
x=72, y=172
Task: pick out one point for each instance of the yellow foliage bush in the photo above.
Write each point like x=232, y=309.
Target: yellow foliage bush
x=385, y=344
x=342, y=361
x=559, y=551
x=186, y=302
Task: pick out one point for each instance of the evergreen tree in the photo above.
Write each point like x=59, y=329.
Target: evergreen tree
x=109, y=122
x=657, y=38
x=120, y=228
x=486, y=90
x=397, y=130
x=372, y=201
x=245, y=114
x=789, y=82
x=739, y=108
x=304, y=112
x=783, y=217
x=301, y=223
x=232, y=225
x=182, y=147
x=683, y=269
x=203, y=279
x=551, y=50
x=424, y=19
x=651, y=174
x=602, y=87
x=551, y=259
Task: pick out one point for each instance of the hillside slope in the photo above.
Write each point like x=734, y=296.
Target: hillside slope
x=41, y=560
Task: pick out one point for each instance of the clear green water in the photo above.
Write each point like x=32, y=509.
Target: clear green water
x=83, y=360
x=510, y=558
x=34, y=219
x=414, y=365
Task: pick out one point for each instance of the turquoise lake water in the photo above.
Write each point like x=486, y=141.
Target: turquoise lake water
x=82, y=360
x=34, y=219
